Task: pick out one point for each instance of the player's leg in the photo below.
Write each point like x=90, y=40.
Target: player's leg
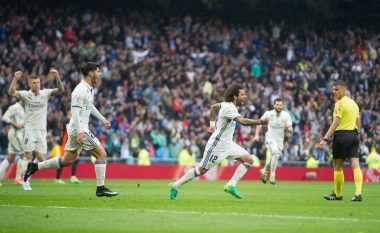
x=264, y=171
x=29, y=147
x=58, y=176
x=93, y=145
x=40, y=145
x=209, y=160
x=275, y=155
x=73, y=178
x=238, y=153
x=5, y=164
x=18, y=177
x=246, y=163
x=26, y=159
x=55, y=162
x=100, y=169
x=188, y=176
x=16, y=147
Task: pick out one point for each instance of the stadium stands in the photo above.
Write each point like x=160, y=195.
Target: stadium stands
x=162, y=73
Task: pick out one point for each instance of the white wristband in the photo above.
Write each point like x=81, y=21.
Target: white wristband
x=212, y=123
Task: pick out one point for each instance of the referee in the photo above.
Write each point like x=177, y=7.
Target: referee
x=345, y=128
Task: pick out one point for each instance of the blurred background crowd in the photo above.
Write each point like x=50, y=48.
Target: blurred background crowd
x=162, y=70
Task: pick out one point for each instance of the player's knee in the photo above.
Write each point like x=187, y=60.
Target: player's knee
x=247, y=159
x=275, y=155
x=101, y=156
x=11, y=158
x=275, y=151
x=202, y=170
x=28, y=155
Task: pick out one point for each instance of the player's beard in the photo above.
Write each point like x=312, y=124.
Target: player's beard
x=278, y=112
x=94, y=80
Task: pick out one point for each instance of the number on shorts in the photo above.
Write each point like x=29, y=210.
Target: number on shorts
x=213, y=158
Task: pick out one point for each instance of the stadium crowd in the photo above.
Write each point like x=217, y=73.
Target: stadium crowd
x=162, y=73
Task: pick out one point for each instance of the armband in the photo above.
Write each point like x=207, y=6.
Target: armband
x=212, y=123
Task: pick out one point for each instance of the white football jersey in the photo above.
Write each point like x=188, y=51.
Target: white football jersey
x=15, y=113
x=222, y=138
x=276, y=126
x=36, y=106
x=82, y=97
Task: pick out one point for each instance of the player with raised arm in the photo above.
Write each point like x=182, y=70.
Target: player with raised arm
x=36, y=105
x=280, y=122
x=80, y=137
x=15, y=117
x=220, y=146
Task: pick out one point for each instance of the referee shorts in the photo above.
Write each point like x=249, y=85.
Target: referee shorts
x=345, y=144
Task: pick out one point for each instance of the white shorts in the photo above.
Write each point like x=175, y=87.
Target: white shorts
x=90, y=142
x=213, y=156
x=15, y=143
x=35, y=140
x=273, y=146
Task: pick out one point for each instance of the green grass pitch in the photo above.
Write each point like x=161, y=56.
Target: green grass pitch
x=144, y=206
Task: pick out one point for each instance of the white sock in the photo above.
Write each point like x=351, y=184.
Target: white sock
x=24, y=165
x=273, y=164
x=100, y=171
x=191, y=174
x=3, y=168
x=239, y=173
x=19, y=169
x=50, y=163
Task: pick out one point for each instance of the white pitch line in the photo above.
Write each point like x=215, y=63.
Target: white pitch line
x=205, y=213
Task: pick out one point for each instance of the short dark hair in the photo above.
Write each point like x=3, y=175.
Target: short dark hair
x=277, y=100
x=340, y=83
x=232, y=90
x=88, y=67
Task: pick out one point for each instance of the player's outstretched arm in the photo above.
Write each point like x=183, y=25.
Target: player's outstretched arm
x=60, y=89
x=251, y=122
x=257, y=133
x=12, y=88
x=98, y=115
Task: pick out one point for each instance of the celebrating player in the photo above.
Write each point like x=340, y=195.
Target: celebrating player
x=36, y=104
x=274, y=138
x=80, y=137
x=220, y=145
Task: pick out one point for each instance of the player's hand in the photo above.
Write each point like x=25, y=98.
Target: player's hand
x=106, y=124
x=211, y=129
x=80, y=138
x=256, y=138
x=19, y=126
x=322, y=144
x=54, y=73
x=265, y=121
x=18, y=75
x=289, y=128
